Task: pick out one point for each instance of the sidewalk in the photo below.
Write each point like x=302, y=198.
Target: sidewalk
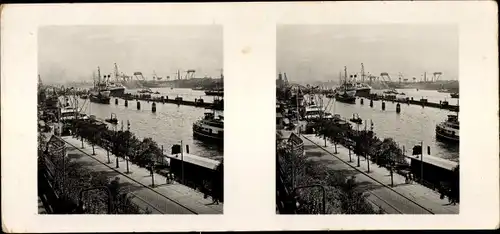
x=381, y=195
x=166, y=198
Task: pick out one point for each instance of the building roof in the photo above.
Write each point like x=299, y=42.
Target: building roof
x=436, y=161
x=196, y=160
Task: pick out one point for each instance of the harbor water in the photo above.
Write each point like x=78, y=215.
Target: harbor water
x=168, y=126
x=415, y=124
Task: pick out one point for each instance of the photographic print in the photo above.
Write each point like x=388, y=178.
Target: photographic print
x=130, y=119
x=367, y=119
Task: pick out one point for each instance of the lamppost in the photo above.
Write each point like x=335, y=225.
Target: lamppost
x=422, y=162
x=349, y=148
x=107, y=149
x=358, y=142
x=93, y=143
x=115, y=147
x=182, y=163
x=314, y=185
x=126, y=146
x=392, y=168
x=152, y=174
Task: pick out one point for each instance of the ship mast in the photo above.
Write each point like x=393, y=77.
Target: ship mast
x=98, y=75
x=362, y=73
x=345, y=74
x=116, y=73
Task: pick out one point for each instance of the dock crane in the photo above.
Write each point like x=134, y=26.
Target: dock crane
x=436, y=76
x=189, y=74
x=385, y=75
x=139, y=76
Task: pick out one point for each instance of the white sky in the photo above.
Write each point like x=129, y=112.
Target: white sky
x=69, y=53
x=320, y=52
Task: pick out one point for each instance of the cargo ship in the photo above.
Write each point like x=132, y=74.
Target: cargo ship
x=100, y=93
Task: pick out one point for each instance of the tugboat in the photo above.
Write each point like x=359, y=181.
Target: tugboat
x=449, y=129
x=112, y=119
x=146, y=90
x=209, y=128
x=355, y=119
x=346, y=92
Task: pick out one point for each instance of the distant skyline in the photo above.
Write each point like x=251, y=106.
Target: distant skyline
x=319, y=52
x=72, y=53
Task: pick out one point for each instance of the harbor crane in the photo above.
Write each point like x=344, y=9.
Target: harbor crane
x=189, y=74
x=139, y=76
x=436, y=76
x=385, y=78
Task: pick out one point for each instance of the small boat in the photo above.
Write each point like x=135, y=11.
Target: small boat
x=355, y=119
x=112, y=119
x=157, y=92
x=454, y=95
x=391, y=91
x=147, y=90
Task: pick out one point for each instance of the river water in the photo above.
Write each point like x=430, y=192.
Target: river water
x=408, y=128
x=168, y=126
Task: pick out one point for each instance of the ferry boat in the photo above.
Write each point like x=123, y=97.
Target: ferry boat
x=449, y=129
x=210, y=128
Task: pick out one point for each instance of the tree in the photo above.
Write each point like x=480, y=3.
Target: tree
x=353, y=201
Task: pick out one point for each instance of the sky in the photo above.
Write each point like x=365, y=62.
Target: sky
x=320, y=52
x=72, y=53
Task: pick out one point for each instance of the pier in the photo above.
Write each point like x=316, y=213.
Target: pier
x=218, y=104
x=423, y=102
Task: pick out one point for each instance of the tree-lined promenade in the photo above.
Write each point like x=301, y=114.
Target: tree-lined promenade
x=145, y=153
